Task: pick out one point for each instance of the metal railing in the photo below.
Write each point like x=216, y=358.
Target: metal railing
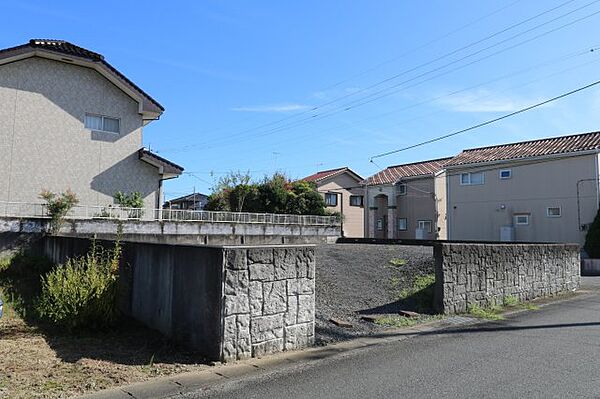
x=83, y=212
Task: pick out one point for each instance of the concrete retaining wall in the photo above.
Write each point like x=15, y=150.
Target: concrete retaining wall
x=484, y=274
x=184, y=233
x=227, y=303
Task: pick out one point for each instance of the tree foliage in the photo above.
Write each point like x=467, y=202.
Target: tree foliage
x=275, y=194
x=592, y=239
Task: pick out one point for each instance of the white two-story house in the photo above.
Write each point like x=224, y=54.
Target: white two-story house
x=540, y=190
x=70, y=120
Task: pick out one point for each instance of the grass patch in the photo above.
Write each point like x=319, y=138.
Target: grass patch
x=491, y=313
x=420, y=284
x=398, y=262
x=401, y=321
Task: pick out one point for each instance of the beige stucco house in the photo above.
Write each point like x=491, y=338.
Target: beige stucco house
x=342, y=192
x=541, y=190
x=407, y=201
x=70, y=120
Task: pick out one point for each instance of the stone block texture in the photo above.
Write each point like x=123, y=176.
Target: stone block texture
x=268, y=300
x=484, y=274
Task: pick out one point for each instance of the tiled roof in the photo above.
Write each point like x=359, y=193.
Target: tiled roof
x=392, y=174
x=169, y=166
x=528, y=149
x=64, y=47
x=189, y=197
x=324, y=174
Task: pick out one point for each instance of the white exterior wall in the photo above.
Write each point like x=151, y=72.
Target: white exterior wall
x=43, y=142
x=477, y=212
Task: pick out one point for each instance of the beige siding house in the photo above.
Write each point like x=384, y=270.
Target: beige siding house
x=407, y=201
x=69, y=120
x=541, y=190
x=343, y=193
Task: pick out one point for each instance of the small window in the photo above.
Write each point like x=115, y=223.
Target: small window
x=356, y=200
x=553, y=212
x=471, y=179
x=522, y=220
x=402, y=224
x=379, y=225
x=331, y=199
x=401, y=189
x=505, y=174
x=102, y=123
x=425, y=225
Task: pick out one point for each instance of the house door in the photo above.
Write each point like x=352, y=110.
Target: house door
x=381, y=224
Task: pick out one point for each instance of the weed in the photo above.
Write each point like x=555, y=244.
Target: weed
x=398, y=262
x=491, y=313
x=421, y=283
x=510, y=300
x=401, y=321
x=420, y=294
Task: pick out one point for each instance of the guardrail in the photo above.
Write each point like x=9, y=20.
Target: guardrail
x=34, y=210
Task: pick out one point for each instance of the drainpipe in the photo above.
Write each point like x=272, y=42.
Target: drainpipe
x=366, y=211
x=342, y=214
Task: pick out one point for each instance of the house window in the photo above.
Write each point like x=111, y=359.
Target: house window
x=505, y=174
x=402, y=224
x=331, y=199
x=471, y=179
x=102, y=123
x=553, y=212
x=379, y=224
x=522, y=219
x=356, y=200
x=401, y=189
x=425, y=225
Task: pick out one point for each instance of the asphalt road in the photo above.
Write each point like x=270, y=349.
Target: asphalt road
x=553, y=352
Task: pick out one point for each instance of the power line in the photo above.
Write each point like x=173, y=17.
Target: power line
x=446, y=55
x=489, y=122
x=353, y=104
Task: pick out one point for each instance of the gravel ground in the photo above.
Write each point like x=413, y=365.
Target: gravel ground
x=357, y=279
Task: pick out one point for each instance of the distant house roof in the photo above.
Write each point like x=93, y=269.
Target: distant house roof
x=392, y=174
x=189, y=198
x=57, y=49
x=325, y=174
x=527, y=149
x=165, y=166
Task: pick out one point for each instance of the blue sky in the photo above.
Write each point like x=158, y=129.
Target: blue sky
x=304, y=86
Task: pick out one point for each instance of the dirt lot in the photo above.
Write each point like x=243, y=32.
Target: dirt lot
x=45, y=364
x=357, y=279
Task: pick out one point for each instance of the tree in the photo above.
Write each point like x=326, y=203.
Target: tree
x=592, y=239
x=134, y=202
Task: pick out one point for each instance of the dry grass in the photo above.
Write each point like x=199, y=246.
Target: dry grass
x=36, y=363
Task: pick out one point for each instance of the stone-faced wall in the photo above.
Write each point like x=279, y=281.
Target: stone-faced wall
x=484, y=274
x=268, y=300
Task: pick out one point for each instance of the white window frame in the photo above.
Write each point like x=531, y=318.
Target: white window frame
x=526, y=215
x=470, y=179
x=405, y=224
x=331, y=195
x=402, y=189
x=421, y=223
x=554, y=207
x=102, y=117
x=507, y=177
x=362, y=200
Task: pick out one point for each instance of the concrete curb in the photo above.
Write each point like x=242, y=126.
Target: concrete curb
x=166, y=387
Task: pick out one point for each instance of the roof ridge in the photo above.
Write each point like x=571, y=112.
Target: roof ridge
x=530, y=141
x=331, y=170
x=418, y=162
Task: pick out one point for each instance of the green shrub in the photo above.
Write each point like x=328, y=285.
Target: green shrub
x=134, y=202
x=58, y=206
x=592, y=239
x=82, y=292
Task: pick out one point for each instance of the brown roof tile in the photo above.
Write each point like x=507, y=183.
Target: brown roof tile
x=324, y=174
x=392, y=174
x=528, y=149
